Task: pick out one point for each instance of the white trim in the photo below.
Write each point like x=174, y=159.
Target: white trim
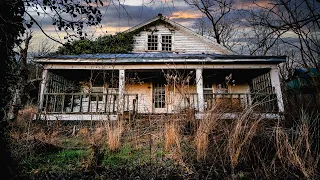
x=145, y=59
x=237, y=115
x=160, y=66
x=43, y=87
x=121, y=89
x=77, y=117
x=275, y=82
x=199, y=81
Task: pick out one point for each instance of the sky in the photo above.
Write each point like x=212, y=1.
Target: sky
x=120, y=15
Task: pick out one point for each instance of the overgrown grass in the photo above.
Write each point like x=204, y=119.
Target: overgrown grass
x=126, y=156
x=58, y=162
x=245, y=147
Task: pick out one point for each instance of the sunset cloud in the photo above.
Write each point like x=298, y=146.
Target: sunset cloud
x=186, y=15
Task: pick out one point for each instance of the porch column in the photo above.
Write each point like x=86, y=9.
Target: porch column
x=121, y=90
x=275, y=82
x=43, y=87
x=199, y=81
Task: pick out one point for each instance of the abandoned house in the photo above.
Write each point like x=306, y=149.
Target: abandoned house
x=170, y=70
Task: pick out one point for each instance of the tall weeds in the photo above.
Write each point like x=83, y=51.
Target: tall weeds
x=114, y=133
x=206, y=126
x=172, y=138
x=243, y=130
x=293, y=148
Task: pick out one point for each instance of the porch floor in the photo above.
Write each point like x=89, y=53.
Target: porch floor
x=102, y=117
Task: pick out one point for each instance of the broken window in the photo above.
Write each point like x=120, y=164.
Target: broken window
x=152, y=42
x=166, y=42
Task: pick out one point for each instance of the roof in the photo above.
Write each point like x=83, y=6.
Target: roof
x=189, y=31
x=159, y=58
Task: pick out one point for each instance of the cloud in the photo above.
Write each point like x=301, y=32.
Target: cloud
x=250, y=4
x=186, y=15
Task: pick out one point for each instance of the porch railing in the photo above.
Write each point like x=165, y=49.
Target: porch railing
x=88, y=103
x=109, y=103
x=233, y=102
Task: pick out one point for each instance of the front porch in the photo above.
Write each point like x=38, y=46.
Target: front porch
x=80, y=94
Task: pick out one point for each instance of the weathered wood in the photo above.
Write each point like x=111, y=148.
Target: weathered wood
x=121, y=90
x=182, y=41
x=199, y=81
x=275, y=81
x=43, y=88
x=158, y=66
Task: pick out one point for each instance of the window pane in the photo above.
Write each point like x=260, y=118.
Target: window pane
x=152, y=42
x=159, y=95
x=166, y=43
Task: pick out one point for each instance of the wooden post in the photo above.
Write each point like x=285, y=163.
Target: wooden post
x=199, y=81
x=121, y=90
x=43, y=88
x=275, y=82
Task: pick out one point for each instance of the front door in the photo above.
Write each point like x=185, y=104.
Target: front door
x=159, y=98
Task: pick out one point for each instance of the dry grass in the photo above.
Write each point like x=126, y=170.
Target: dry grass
x=243, y=130
x=293, y=149
x=25, y=116
x=206, y=126
x=114, y=132
x=227, y=147
x=98, y=136
x=172, y=138
x=29, y=137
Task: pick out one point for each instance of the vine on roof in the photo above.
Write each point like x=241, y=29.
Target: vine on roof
x=118, y=43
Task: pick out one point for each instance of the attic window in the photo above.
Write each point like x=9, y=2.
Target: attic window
x=152, y=42
x=166, y=42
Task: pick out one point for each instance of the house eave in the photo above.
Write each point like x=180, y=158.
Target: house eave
x=164, y=60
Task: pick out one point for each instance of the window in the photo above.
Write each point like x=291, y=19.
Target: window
x=166, y=43
x=163, y=44
x=152, y=42
x=159, y=96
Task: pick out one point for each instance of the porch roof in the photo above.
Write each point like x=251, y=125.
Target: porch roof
x=133, y=58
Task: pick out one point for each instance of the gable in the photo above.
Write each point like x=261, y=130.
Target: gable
x=163, y=35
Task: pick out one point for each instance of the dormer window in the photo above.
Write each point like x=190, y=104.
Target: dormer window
x=152, y=42
x=166, y=42
x=158, y=42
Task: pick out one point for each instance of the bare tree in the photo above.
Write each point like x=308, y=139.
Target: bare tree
x=44, y=48
x=201, y=26
x=259, y=40
x=216, y=11
x=300, y=18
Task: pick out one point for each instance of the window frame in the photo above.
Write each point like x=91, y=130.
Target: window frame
x=159, y=42
x=166, y=44
x=156, y=43
x=159, y=95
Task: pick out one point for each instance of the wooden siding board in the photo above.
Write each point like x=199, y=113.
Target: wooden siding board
x=182, y=42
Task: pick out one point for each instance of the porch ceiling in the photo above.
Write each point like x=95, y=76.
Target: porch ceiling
x=209, y=75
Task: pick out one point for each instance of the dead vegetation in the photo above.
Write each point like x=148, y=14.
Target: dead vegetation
x=246, y=147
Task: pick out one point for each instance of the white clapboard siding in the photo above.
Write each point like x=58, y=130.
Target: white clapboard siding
x=183, y=41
